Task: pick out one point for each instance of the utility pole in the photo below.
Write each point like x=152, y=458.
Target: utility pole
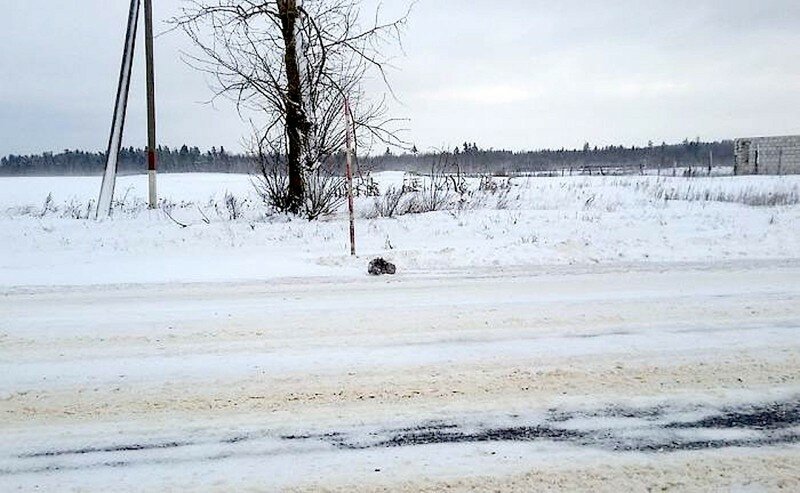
x=349, y=171
x=151, y=105
x=118, y=121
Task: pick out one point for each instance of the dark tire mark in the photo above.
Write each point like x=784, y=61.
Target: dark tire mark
x=767, y=425
x=767, y=417
x=97, y=450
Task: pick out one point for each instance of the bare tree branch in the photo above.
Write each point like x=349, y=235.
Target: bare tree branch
x=296, y=62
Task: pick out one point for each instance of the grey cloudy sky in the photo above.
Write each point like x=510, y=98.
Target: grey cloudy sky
x=517, y=74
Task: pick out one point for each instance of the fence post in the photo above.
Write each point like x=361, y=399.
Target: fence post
x=710, y=160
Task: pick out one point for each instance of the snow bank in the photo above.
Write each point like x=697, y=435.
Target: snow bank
x=535, y=221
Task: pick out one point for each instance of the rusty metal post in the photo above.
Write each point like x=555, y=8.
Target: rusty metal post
x=151, y=105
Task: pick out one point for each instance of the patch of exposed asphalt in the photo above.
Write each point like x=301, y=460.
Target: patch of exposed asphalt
x=766, y=417
x=774, y=422
x=767, y=424
x=654, y=413
x=520, y=433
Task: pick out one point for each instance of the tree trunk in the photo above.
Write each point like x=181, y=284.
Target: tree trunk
x=296, y=122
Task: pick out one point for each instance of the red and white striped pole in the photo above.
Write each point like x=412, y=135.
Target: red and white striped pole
x=349, y=172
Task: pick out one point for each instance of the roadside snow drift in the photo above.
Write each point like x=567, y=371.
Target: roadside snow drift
x=47, y=240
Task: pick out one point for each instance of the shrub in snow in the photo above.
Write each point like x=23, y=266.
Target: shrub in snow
x=324, y=190
x=233, y=205
x=48, y=205
x=488, y=184
x=365, y=186
x=324, y=194
x=393, y=202
x=272, y=184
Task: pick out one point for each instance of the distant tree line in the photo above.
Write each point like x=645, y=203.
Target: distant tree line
x=131, y=161
x=469, y=157
x=473, y=159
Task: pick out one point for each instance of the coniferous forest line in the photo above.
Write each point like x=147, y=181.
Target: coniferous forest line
x=469, y=157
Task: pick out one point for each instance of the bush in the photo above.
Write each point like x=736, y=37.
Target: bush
x=393, y=202
x=323, y=189
x=272, y=182
x=323, y=193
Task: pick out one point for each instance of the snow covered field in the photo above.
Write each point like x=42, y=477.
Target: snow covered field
x=591, y=333
x=536, y=221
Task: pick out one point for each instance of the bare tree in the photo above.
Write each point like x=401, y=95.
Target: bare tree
x=295, y=62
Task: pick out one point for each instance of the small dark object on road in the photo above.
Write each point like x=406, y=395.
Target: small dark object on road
x=380, y=266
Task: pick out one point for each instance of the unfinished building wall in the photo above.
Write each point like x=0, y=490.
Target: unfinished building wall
x=767, y=155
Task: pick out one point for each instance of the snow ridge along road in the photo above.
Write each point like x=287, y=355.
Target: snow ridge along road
x=604, y=378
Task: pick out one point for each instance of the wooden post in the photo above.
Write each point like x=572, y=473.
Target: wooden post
x=710, y=160
x=758, y=148
x=349, y=171
x=151, y=105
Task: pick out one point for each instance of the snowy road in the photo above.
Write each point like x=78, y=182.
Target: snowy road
x=685, y=375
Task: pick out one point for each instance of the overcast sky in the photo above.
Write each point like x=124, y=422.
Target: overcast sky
x=515, y=74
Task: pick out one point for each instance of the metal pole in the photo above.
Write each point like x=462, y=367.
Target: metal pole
x=151, y=104
x=118, y=121
x=349, y=171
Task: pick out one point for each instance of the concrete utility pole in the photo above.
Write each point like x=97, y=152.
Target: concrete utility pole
x=118, y=121
x=151, y=104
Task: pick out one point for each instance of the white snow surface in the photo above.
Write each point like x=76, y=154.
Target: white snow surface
x=254, y=354
x=540, y=221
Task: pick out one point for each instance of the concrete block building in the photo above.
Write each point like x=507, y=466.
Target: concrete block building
x=767, y=156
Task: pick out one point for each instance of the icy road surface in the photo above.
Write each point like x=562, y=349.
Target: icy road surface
x=607, y=378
